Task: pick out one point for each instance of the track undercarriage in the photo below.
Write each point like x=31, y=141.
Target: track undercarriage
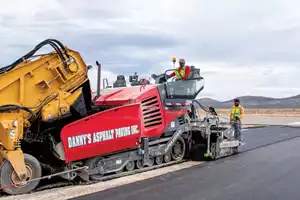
x=215, y=142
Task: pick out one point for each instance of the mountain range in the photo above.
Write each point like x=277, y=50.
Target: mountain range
x=255, y=102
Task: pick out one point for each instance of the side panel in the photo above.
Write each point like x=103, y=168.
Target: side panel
x=102, y=133
x=156, y=117
x=171, y=115
x=152, y=113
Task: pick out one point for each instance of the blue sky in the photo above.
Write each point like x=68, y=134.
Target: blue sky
x=242, y=47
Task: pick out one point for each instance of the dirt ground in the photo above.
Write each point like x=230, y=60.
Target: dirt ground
x=258, y=117
x=265, y=112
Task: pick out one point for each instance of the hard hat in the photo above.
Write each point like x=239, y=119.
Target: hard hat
x=173, y=59
x=181, y=60
x=236, y=100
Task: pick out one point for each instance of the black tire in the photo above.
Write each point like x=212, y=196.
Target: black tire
x=92, y=163
x=159, y=160
x=151, y=162
x=34, y=168
x=130, y=166
x=167, y=157
x=139, y=164
x=178, y=150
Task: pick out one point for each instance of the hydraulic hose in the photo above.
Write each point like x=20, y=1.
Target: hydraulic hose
x=201, y=106
x=10, y=107
x=207, y=110
x=55, y=45
x=61, y=46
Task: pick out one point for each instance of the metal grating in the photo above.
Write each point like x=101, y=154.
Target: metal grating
x=151, y=112
x=181, y=120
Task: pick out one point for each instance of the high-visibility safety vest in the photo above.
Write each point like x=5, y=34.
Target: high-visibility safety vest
x=181, y=73
x=236, y=112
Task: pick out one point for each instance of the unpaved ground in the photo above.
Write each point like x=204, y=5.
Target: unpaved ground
x=271, y=120
x=265, y=112
x=264, y=116
x=266, y=120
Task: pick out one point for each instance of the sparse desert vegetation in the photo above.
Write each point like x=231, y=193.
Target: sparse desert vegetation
x=265, y=112
x=258, y=117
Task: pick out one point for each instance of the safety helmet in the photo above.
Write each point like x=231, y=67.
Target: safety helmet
x=181, y=60
x=236, y=100
x=174, y=59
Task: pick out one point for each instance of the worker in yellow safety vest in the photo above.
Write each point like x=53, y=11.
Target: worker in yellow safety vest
x=236, y=116
x=182, y=72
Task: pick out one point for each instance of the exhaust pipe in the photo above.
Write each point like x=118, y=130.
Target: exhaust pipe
x=98, y=79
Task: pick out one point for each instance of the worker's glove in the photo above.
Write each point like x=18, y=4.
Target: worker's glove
x=237, y=118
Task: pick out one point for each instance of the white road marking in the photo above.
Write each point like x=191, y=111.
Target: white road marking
x=294, y=124
x=75, y=191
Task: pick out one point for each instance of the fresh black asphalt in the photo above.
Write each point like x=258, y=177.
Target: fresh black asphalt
x=266, y=169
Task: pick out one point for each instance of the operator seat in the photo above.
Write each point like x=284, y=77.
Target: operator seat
x=120, y=82
x=195, y=72
x=161, y=78
x=140, y=82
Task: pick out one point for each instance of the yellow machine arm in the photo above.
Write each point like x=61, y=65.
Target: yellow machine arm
x=43, y=88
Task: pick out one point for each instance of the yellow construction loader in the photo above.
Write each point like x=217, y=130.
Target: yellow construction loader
x=34, y=94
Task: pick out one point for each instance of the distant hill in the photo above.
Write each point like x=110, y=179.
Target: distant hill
x=256, y=102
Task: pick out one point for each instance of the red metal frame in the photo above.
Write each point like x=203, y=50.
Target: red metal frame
x=127, y=113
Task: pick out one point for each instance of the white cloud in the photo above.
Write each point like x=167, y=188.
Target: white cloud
x=243, y=48
x=275, y=81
